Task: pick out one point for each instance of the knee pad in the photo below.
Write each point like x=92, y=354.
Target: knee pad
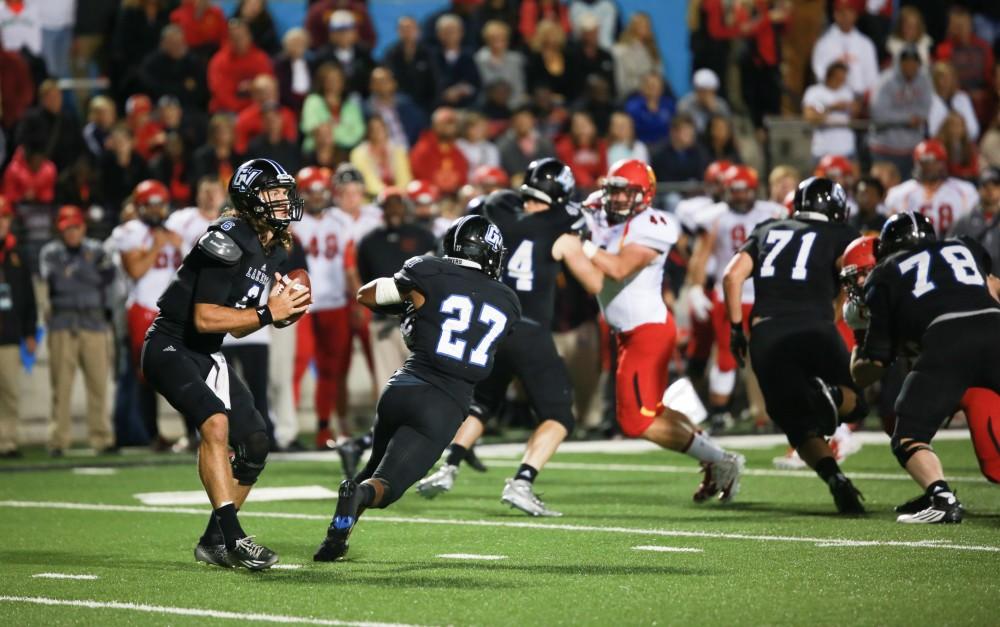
x=682, y=397
x=721, y=383
x=905, y=450
x=566, y=419
x=860, y=410
x=250, y=457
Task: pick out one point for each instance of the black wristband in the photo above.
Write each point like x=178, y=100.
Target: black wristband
x=736, y=326
x=264, y=316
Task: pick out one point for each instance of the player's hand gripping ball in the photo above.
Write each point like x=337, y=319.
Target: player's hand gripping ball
x=296, y=280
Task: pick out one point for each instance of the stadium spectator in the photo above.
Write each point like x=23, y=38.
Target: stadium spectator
x=273, y=142
x=990, y=144
x=216, y=159
x=403, y=118
x=172, y=70
x=597, y=101
x=869, y=194
x=170, y=167
x=948, y=98
x=548, y=64
x=18, y=319
x=910, y=30
x=496, y=107
x=17, y=89
x=681, y=158
x=332, y=105
x=80, y=185
x=325, y=152
x=622, y=143
x=583, y=151
x=900, y=104
x=843, y=42
x=77, y=271
x=344, y=49
x=204, y=26
x=603, y=12
x=55, y=125
x=704, y=101
x=189, y=123
x=318, y=21
x=505, y=11
x=496, y=61
x=522, y=143
x=250, y=121
x=101, y=118
x=457, y=77
x=760, y=72
x=782, y=180
x=381, y=161
x=29, y=177
x=122, y=168
x=473, y=143
x=651, y=109
x=720, y=140
x=972, y=58
x=410, y=62
x=886, y=173
x=588, y=57
x=91, y=27
x=534, y=12
x=136, y=34
x=983, y=223
x=261, y=24
x=963, y=154
x=147, y=131
x=293, y=69
x=57, y=35
x=829, y=106
x=636, y=55
x=436, y=157
x=464, y=10
x=233, y=68
x=21, y=26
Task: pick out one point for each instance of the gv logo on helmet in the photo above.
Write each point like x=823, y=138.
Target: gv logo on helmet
x=245, y=177
x=493, y=237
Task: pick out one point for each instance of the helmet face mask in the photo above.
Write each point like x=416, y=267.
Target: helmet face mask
x=262, y=189
x=858, y=262
x=622, y=200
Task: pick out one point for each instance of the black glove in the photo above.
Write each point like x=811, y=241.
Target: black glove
x=581, y=229
x=738, y=343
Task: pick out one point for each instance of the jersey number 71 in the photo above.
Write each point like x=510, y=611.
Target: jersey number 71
x=459, y=308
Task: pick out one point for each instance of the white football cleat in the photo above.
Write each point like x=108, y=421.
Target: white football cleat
x=443, y=480
x=726, y=475
x=518, y=494
x=789, y=461
x=843, y=443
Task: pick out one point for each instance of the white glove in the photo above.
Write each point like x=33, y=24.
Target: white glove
x=855, y=315
x=701, y=305
x=594, y=201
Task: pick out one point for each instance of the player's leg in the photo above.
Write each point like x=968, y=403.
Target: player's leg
x=982, y=411
x=343, y=349
x=305, y=352
x=332, y=337
x=722, y=375
x=139, y=320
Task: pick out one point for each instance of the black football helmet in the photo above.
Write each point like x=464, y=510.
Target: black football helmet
x=822, y=196
x=475, y=242
x=550, y=181
x=903, y=231
x=251, y=188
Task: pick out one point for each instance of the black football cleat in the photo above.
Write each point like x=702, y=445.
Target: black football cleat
x=213, y=554
x=944, y=508
x=846, y=497
x=473, y=460
x=350, y=455
x=249, y=554
x=335, y=545
x=914, y=505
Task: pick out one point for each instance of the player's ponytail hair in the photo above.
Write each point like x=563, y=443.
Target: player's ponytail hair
x=259, y=224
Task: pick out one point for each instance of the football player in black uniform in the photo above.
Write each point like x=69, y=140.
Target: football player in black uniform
x=935, y=300
x=456, y=313
x=531, y=220
x=224, y=286
x=795, y=349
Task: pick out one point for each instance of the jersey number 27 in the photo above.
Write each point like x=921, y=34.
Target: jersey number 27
x=459, y=309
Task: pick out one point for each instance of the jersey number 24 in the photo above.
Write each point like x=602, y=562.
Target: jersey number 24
x=459, y=310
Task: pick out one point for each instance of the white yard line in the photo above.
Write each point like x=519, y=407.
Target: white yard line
x=663, y=533
x=287, y=566
x=190, y=611
x=471, y=556
x=656, y=548
x=260, y=495
x=63, y=576
x=97, y=472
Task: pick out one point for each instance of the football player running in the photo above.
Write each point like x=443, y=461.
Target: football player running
x=622, y=264
x=456, y=314
x=796, y=351
x=530, y=222
x=225, y=286
x=935, y=301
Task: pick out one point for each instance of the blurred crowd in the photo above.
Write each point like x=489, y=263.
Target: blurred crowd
x=459, y=103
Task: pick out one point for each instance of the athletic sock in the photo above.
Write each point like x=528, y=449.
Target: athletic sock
x=828, y=469
x=322, y=424
x=364, y=442
x=704, y=449
x=229, y=524
x=526, y=472
x=213, y=533
x=456, y=453
x=938, y=487
x=367, y=494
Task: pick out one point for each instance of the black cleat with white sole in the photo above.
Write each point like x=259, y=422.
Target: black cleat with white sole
x=944, y=509
x=249, y=554
x=213, y=554
x=914, y=505
x=846, y=497
x=349, y=508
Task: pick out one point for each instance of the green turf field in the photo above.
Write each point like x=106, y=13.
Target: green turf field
x=777, y=556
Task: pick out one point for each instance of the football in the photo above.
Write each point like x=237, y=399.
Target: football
x=298, y=280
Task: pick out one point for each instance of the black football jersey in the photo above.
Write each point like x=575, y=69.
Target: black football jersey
x=795, y=272
x=909, y=290
x=454, y=335
x=529, y=268
x=204, y=279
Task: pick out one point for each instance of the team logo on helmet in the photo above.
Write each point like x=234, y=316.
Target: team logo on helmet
x=244, y=178
x=493, y=237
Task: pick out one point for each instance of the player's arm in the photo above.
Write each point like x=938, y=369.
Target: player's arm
x=138, y=261
x=569, y=250
x=869, y=359
x=623, y=264
x=703, y=245
x=738, y=270
x=390, y=295
x=993, y=283
x=281, y=305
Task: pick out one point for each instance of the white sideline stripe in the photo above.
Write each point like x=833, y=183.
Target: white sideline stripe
x=663, y=533
x=287, y=566
x=656, y=548
x=95, y=471
x=471, y=556
x=191, y=611
x=260, y=495
x=62, y=576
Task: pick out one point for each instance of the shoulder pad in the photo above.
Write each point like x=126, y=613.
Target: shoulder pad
x=220, y=247
x=236, y=229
